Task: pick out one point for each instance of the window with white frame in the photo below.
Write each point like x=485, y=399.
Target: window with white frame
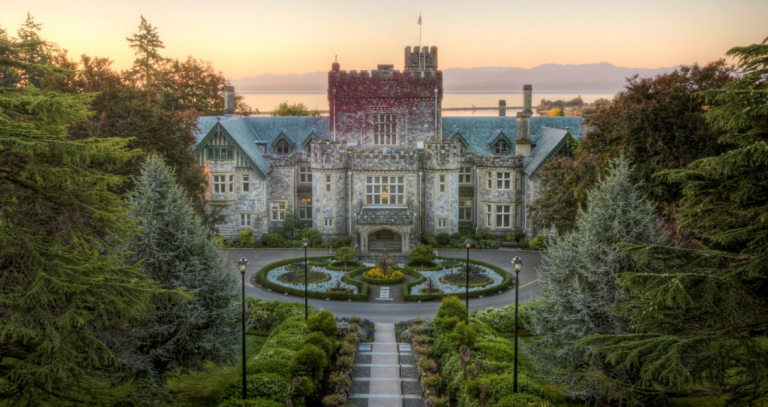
x=384, y=190
x=305, y=175
x=500, y=147
x=489, y=180
x=246, y=181
x=465, y=209
x=277, y=210
x=327, y=183
x=219, y=184
x=465, y=175
x=518, y=213
x=503, y=180
x=442, y=183
x=305, y=208
x=441, y=223
x=328, y=222
x=503, y=215
x=384, y=129
x=488, y=216
x=245, y=219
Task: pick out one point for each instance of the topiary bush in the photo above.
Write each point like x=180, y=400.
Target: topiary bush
x=443, y=239
x=428, y=240
x=266, y=385
x=537, y=243
x=272, y=365
x=462, y=334
x=318, y=339
x=520, y=400
x=423, y=254
x=345, y=255
x=309, y=361
x=236, y=401
x=324, y=322
x=276, y=353
x=247, y=239
x=272, y=240
x=452, y=306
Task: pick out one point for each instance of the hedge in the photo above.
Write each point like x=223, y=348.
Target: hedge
x=472, y=294
x=353, y=264
x=371, y=280
x=435, y=266
x=362, y=288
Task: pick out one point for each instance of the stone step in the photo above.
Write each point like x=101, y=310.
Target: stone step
x=384, y=396
x=383, y=379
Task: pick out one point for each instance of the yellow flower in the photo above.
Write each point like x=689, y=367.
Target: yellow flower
x=377, y=273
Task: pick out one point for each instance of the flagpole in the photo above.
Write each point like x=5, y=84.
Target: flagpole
x=419, y=29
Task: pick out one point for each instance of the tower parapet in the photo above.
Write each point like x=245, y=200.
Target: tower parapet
x=421, y=58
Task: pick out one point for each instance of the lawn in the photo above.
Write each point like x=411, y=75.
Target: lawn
x=205, y=388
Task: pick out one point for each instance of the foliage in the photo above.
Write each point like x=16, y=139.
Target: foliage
x=246, y=238
x=345, y=255
x=452, y=306
x=429, y=240
x=309, y=361
x=146, y=44
x=379, y=273
x=313, y=235
x=579, y=288
x=298, y=109
x=423, y=254
x=259, y=402
x=319, y=340
x=334, y=400
x=291, y=223
x=537, y=243
x=338, y=241
x=545, y=104
x=273, y=365
x=503, y=319
x=323, y=322
x=272, y=240
x=385, y=263
x=443, y=239
x=557, y=111
x=702, y=315
x=462, y=334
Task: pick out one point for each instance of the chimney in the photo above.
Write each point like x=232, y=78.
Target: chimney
x=229, y=101
x=523, y=125
x=335, y=66
x=527, y=93
x=502, y=108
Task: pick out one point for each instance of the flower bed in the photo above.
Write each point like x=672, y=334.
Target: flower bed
x=297, y=277
x=376, y=276
x=460, y=279
x=424, y=267
x=342, y=266
x=269, y=277
x=500, y=277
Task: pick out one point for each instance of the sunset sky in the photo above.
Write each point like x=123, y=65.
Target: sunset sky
x=249, y=38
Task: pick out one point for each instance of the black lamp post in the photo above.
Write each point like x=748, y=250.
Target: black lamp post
x=467, y=243
x=242, y=265
x=306, y=274
x=518, y=263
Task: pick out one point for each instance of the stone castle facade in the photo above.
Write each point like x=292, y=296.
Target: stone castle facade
x=384, y=167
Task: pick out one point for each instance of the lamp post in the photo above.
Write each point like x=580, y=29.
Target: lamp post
x=518, y=263
x=306, y=274
x=242, y=265
x=467, y=243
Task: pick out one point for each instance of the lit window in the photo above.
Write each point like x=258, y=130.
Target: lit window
x=489, y=179
x=465, y=175
x=282, y=147
x=465, y=209
x=305, y=175
x=327, y=183
x=305, y=208
x=277, y=210
x=500, y=147
x=220, y=153
x=245, y=219
x=328, y=222
x=384, y=129
x=246, y=183
x=503, y=216
x=219, y=184
x=488, y=215
x=384, y=190
x=442, y=183
x=503, y=180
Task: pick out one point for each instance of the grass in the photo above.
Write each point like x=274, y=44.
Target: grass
x=204, y=388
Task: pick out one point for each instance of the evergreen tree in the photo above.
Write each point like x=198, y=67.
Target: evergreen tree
x=146, y=44
x=65, y=285
x=579, y=285
x=34, y=54
x=702, y=320
x=176, y=250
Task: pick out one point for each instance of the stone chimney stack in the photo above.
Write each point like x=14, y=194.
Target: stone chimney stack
x=502, y=108
x=523, y=125
x=229, y=101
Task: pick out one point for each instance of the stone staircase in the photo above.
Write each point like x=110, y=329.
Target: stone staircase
x=381, y=246
x=385, y=373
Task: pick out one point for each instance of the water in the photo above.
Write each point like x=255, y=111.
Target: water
x=267, y=101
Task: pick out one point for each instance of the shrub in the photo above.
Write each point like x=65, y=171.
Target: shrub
x=428, y=240
x=495, y=351
x=313, y=235
x=345, y=363
x=247, y=239
x=220, y=241
x=334, y=400
x=443, y=239
x=340, y=241
x=446, y=325
x=266, y=385
x=347, y=349
x=273, y=365
x=345, y=255
x=452, y=306
x=423, y=254
x=482, y=234
x=537, y=243
x=319, y=340
x=310, y=361
x=272, y=240
x=463, y=334
x=520, y=400
x=502, y=386
x=323, y=322
x=235, y=401
x=276, y=353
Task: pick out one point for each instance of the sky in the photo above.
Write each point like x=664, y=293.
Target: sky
x=248, y=37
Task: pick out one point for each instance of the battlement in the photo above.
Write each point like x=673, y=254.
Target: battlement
x=386, y=159
x=445, y=155
x=421, y=58
x=515, y=162
x=384, y=83
x=328, y=155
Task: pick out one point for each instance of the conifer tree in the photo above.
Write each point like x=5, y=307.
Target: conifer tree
x=702, y=320
x=176, y=250
x=146, y=44
x=579, y=285
x=34, y=54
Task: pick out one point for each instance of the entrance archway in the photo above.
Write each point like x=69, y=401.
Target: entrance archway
x=385, y=240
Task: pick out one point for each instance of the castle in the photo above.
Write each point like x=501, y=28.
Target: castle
x=384, y=167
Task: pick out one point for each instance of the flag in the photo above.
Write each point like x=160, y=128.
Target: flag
x=419, y=19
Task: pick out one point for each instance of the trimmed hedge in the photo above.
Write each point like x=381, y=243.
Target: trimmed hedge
x=362, y=288
x=472, y=294
x=434, y=267
x=353, y=265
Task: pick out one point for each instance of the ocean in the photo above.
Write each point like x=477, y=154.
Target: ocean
x=265, y=102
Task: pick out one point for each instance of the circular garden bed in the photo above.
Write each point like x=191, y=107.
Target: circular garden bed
x=376, y=276
x=297, y=277
x=429, y=266
x=460, y=279
x=342, y=266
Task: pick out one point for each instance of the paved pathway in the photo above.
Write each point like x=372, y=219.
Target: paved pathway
x=385, y=374
x=395, y=310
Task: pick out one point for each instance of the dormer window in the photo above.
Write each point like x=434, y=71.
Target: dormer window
x=282, y=147
x=500, y=148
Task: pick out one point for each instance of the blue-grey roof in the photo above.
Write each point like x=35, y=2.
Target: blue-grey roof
x=550, y=141
x=478, y=130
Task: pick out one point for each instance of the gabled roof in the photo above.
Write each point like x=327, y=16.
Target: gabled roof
x=239, y=134
x=499, y=135
x=298, y=127
x=456, y=134
x=551, y=141
x=284, y=135
x=312, y=136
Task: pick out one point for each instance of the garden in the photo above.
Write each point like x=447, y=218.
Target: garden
x=341, y=277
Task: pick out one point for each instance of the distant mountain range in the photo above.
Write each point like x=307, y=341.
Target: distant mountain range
x=548, y=78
